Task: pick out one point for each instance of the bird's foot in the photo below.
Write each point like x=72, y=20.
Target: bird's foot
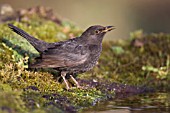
x=65, y=81
x=67, y=87
x=77, y=84
x=75, y=81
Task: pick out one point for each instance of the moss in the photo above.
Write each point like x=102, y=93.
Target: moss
x=36, y=86
x=143, y=59
x=125, y=62
x=11, y=102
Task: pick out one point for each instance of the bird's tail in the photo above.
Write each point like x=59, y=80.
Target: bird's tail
x=39, y=45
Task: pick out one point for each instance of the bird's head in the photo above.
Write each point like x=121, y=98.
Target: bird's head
x=96, y=33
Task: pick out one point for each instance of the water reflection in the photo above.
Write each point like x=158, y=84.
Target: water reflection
x=147, y=103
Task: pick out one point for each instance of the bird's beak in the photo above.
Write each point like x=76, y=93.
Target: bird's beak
x=108, y=28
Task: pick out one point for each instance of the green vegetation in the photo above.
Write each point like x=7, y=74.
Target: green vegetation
x=141, y=60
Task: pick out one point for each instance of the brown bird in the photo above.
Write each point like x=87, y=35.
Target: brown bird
x=73, y=56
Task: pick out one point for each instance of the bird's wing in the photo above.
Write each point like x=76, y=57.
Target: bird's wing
x=68, y=54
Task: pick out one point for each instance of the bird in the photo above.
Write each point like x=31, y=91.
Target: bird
x=69, y=57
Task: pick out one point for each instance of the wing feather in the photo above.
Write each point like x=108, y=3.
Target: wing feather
x=66, y=55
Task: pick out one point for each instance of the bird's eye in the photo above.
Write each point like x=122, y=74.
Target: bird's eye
x=97, y=31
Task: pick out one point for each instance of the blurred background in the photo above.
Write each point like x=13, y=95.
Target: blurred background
x=153, y=16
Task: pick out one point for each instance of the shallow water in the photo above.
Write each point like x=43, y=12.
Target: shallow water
x=158, y=102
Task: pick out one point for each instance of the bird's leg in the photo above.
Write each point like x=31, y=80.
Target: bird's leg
x=63, y=74
x=75, y=81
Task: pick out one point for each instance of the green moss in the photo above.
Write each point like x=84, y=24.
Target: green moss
x=138, y=61
x=15, y=52
x=11, y=101
x=136, y=65
x=83, y=98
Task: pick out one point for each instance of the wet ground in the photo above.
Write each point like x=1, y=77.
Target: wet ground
x=157, y=102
